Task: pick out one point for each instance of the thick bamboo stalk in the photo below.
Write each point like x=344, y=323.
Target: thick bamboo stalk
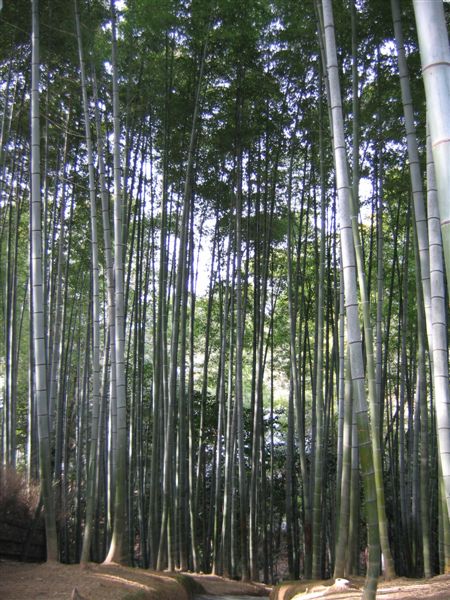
x=435, y=57
x=351, y=301
x=118, y=551
x=39, y=363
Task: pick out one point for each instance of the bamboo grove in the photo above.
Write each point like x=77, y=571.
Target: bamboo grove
x=223, y=303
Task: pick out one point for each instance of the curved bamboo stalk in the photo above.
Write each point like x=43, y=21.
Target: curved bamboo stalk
x=435, y=57
x=351, y=300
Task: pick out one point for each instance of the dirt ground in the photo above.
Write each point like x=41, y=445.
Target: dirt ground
x=401, y=588
x=48, y=581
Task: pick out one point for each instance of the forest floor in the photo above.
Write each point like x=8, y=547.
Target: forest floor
x=48, y=581
x=55, y=581
x=401, y=588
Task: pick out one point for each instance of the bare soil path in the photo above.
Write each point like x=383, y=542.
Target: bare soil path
x=401, y=588
x=49, y=581
x=55, y=581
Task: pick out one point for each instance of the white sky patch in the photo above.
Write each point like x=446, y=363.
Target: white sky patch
x=365, y=189
x=365, y=193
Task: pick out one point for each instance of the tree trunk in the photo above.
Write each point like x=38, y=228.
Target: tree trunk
x=435, y=57
x=118, y=550
x=351, y=302
x=93, y=451
x=39, y=363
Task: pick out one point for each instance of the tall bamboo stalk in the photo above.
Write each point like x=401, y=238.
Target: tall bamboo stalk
x=118, y=551
x=351, y=301
x=39, y=355
x=435, y=57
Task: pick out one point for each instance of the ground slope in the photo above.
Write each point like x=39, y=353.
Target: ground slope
x=22, y=581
